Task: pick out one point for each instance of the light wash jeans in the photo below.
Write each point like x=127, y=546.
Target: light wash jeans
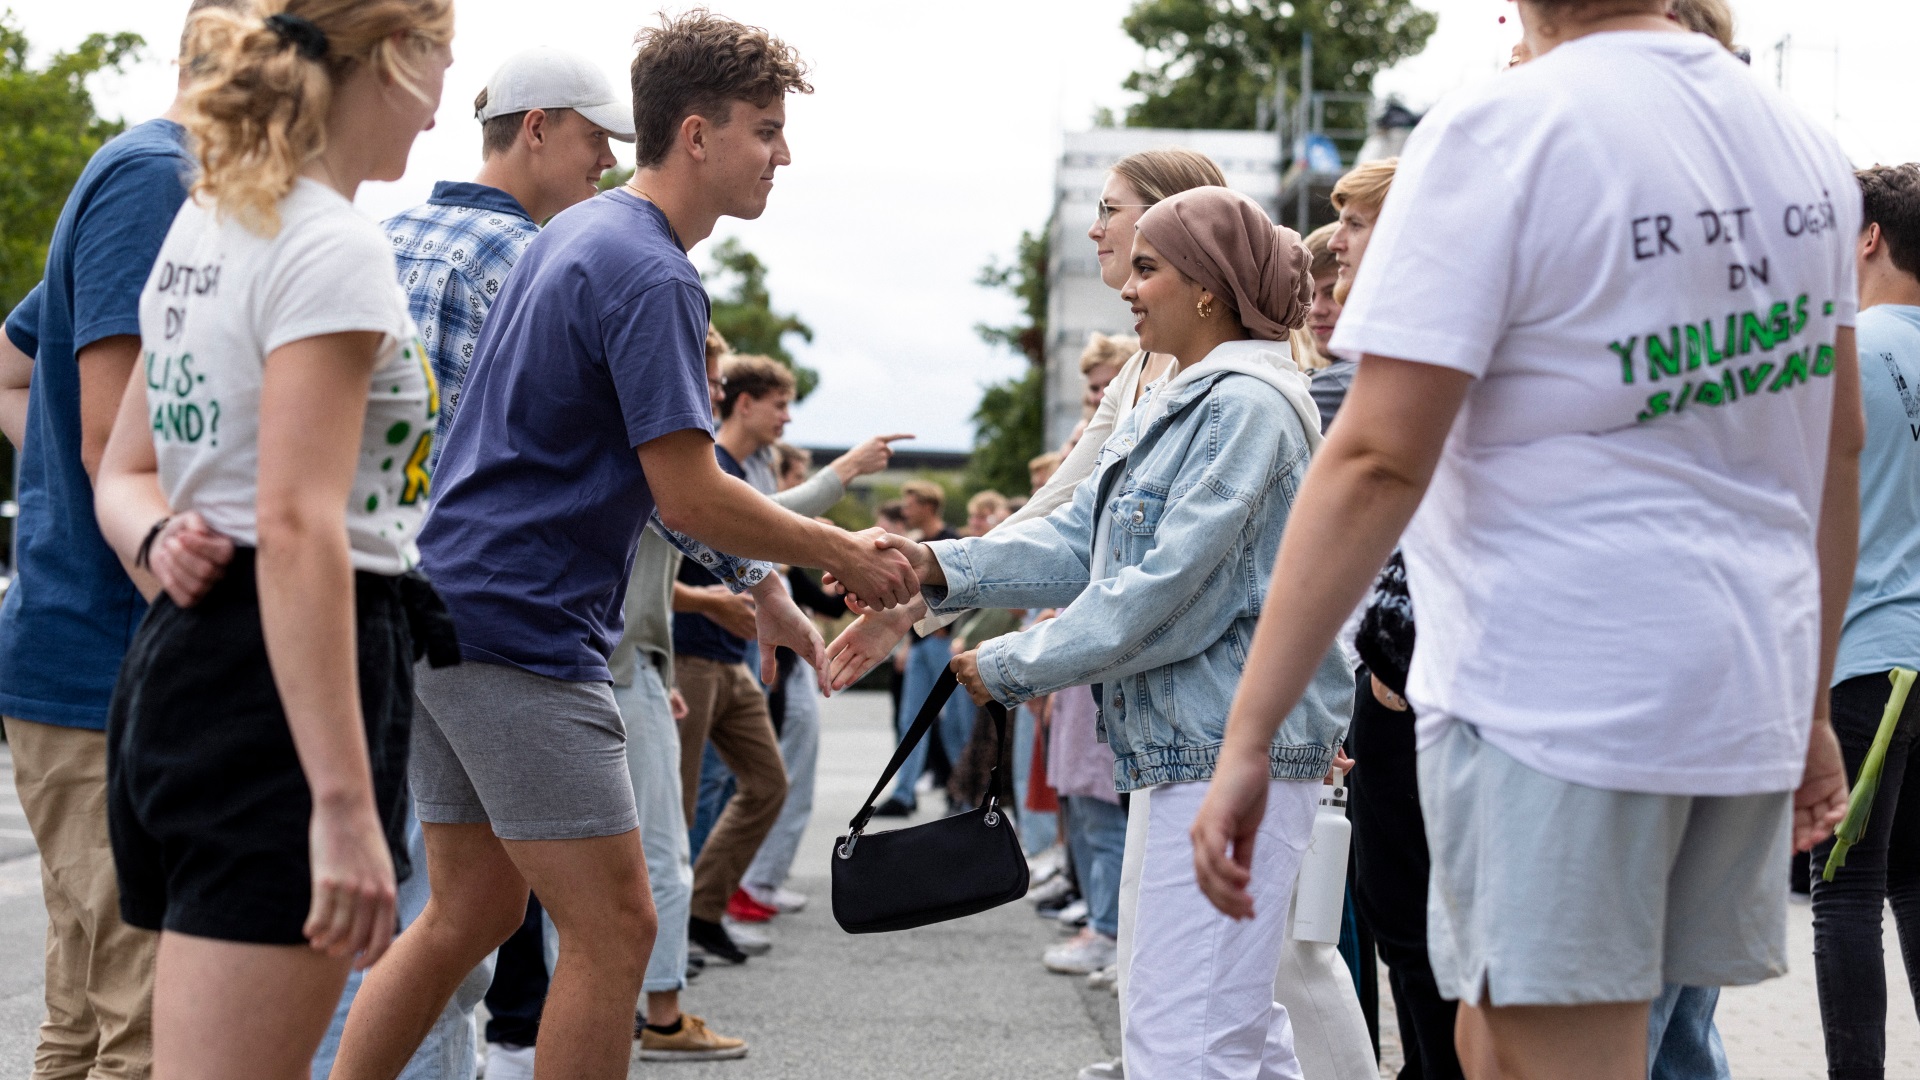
x=800, y=750
x=1038, y=828
x=926, y=659
x=1097, y=836
x=447, y=1053
x=1682, y=1041
x=653, y=759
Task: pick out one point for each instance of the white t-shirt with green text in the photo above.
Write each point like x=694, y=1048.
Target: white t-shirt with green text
x=1642, y=254
x=220, y=299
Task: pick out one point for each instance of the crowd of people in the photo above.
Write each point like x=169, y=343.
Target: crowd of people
x=400, y=625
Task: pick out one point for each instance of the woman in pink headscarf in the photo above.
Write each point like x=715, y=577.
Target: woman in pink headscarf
x=1160, y=564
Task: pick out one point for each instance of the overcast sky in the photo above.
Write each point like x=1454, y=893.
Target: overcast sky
x=931, y=140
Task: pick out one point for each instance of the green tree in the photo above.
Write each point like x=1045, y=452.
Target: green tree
x=1009, y=426
x=1218, y=63
x=48, y=130
x=745, y=316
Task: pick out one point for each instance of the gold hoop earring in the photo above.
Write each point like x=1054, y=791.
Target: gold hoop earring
x=1204, y=308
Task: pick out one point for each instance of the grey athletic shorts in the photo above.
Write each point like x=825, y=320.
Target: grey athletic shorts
x=1545, y=892
x=537, y=758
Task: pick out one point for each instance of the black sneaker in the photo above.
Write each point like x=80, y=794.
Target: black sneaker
x=714, y=938
x=893, y=808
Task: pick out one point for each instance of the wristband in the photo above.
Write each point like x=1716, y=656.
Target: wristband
x=142, y=556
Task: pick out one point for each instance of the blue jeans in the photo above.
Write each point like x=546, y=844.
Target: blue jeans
x=653, y=760
x=800, y=749
x=447, y=1053
x=1682, y=1043
x=926, y=659
x=1097, y=836
x=1038, y=828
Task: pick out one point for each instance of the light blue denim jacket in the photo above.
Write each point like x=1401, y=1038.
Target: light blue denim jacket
x=1193, y=490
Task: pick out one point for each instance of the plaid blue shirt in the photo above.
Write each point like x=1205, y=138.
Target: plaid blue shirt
x=453, y=253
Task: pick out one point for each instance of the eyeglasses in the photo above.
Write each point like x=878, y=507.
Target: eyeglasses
x=1105, y=211
x=718, y=386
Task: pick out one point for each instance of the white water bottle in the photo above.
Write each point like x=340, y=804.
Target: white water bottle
x=1320, y=897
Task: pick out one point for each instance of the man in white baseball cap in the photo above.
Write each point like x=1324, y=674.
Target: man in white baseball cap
x=549, y=79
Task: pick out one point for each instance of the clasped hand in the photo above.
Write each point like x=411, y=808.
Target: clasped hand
x=919, y=557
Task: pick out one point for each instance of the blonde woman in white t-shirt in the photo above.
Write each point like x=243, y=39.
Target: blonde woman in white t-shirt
x=285, y=417
x=1634, y=395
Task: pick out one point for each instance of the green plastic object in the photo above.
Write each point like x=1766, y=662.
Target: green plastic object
x=1854, y=826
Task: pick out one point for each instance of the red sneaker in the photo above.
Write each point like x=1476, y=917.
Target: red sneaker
x=744, y=908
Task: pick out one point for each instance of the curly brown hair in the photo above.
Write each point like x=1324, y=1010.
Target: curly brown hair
x=1891, y=199
x=257, y=106
x=699, y=64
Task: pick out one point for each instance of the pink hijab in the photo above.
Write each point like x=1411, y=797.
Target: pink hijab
x=1225, y=242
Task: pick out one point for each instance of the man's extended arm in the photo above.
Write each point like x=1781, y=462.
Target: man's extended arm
x=696, y=498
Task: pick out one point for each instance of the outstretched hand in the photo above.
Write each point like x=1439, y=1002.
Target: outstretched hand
x=869, y=457
x=867, y=641
x=1224, y=831
x=877, y=577
x=919, y=557
x=779, y=622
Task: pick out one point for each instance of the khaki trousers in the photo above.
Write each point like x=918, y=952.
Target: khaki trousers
x=99, y=970
x=725, y=705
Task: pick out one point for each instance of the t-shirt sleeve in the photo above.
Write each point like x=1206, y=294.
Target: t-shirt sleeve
x=332, y=274
x=1434, y=285
x=116, y=237
x=656, y=347
x=23, y=322
x=1851, y=210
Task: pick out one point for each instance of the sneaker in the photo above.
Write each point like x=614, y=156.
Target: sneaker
x=1085, y=954
x=509, y=1062
x=1046, y=865
x=1074, y=915
x=1107, y=978
x=1105, y=1070
x=893, y=808
x=748, y=939
x=1051, y=892
x=695, y=1041
x=714, y=940
x=784, y=901
x=743, y=908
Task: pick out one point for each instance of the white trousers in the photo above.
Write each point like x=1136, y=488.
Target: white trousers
x=1196, y=988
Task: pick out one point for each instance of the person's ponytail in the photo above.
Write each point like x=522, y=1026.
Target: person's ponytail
x=263, y=84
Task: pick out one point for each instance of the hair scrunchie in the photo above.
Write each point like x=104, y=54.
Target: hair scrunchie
x=303, y=34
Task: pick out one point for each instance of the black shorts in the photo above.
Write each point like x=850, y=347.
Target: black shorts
x=207, y=806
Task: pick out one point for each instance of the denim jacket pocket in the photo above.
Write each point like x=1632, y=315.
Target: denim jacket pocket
x=1135, y=519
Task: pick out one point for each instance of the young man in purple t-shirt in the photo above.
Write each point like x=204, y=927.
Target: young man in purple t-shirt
x=585, y=405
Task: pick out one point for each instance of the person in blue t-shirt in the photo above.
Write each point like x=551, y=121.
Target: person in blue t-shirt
x=586, y=403
x=1881, y=632
x=72, y=609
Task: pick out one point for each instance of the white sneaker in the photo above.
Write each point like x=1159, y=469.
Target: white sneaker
x=783, y=900
x=1074, y=914
x=1052, y=889
x=1105, y=979
x=1105, y=1070
x=748, y=939
x=509, y=1062
x=1046, y=864
x=1085, y=954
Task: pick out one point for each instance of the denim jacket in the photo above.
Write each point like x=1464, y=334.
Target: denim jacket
x=1161, y=564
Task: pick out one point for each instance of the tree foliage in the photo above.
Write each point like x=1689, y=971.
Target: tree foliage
x=745, y=315
x=1218, y=63
x=1009, y=426
x=48, y=131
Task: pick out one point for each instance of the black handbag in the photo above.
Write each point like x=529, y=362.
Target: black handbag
x=946, y=869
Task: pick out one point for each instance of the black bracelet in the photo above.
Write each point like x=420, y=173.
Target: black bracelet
x=140, y=557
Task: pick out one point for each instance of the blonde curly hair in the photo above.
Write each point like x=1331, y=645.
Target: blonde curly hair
x=257, y=104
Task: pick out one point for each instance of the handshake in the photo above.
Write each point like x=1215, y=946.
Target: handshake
x=887, y=572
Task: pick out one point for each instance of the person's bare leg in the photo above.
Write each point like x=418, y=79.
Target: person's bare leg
x=228, y=1011
x=663, y=1007
x=1553, y=1042
x=596, y=892
x=477, y=900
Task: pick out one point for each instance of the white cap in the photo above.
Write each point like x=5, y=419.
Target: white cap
x=551, y=79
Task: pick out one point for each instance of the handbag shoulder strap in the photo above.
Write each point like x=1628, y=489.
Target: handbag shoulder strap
x=929, y=715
